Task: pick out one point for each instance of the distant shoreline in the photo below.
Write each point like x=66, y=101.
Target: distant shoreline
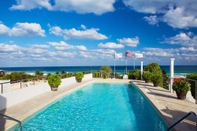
x=120, y=69
x=84, y=66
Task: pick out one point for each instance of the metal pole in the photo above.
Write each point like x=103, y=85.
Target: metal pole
x=126, y=65
x=134, y=64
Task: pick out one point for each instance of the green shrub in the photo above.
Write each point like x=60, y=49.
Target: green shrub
x=146, y=75
x=194, y=77
x=54, y=80
x=106, y=71
x=153, y=68
x=79, y=75
x=97, y=74
x=165, y=81
x=130, y=75
x=156, y=78
x=136, y=73
x=181, y=86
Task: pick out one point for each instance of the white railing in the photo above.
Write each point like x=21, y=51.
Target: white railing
x=14, y=97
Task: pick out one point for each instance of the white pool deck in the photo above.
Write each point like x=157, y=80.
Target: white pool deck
x=170, y=108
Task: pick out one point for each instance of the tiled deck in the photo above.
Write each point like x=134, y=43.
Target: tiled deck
x=169, y=106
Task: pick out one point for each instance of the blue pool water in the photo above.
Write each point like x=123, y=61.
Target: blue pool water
x=98, y=107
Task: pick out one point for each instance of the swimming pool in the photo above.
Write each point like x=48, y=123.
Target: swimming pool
x=98, y=107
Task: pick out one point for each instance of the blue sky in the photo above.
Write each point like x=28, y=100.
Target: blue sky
x=90, y=32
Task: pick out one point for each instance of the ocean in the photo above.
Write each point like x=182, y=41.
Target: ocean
x=178, y=70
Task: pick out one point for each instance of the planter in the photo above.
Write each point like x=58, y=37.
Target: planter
x=79, y=76
x=181, y=95
x=136, y=77
x=79, y=80
x=54, y=88
x=54, y=81
x=156, y=84
x=147, y=81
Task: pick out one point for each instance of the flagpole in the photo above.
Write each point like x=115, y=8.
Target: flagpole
x=126, y=65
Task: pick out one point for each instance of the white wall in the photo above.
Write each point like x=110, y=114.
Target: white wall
x=6, y=87
x=14, y=97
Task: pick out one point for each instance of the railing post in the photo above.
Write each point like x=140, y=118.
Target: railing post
x=20, y=84
x=196, y=92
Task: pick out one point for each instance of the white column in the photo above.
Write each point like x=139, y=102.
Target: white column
x=171, y=73
x=141, y=69
x=114, y=66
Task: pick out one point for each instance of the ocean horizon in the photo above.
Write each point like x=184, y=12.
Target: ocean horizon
x=119, y=69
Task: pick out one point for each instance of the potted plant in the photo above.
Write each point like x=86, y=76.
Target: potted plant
x=156, y=79
x=136, y=73
x=54, y=81
x=79, y=76
x=146, y=76
x=181, y=87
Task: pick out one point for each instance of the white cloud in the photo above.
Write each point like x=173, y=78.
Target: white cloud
x=186, y=49
x=61, y=45
x=11, y=54
x=27, y=30
x=86, y=55
x=111, y=45
x=37, y=51
x=79, y=6
x=104, y=51
x=176, y=13
x=83, y=26
x=152, y=20
x=31, y=4
x=81, y=47
x=133, y=42
x=90, y=34
x=40, y=46
x=8, y=48
x=182, y=39
x=22, y=30
x=3, y=29
x=64, y=46
x=40, y=59
x=180, y=18
x=158, y=52
x=148, y=6
x=56, y=30
x=65, y=54
x=186, y=54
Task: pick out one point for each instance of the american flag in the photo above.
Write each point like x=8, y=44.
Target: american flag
x=128, y=54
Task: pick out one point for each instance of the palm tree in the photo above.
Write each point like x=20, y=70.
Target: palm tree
x=106, y=71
